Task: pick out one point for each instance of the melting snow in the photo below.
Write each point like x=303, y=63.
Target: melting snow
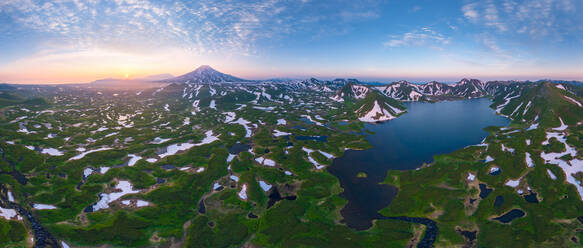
x=230, y=116
x=43, y=206
x=133, y=159
x=312, y=120
x=471, y=176
x=513, y=183
x=562, y=127
x=87, y=172
x=82, y=155
x=278, y=133
x=159, y=140
x=105, y=199
x=9, y=214
x=506, y=101
x=327, y=155
x=234, y=178
x=230, y=157
x=528, y=160
x=571, y=167
x=245, y=124
x=312, y=160
x=175, y=148
x=551, y=175
x=52, y=152
x=507, y=149
x=532, y=127
x=243, y=193
x=268, y=109
x=265, y=161
x=281, y=122
x=265, y=186
x=574, y=101
x=376, y=114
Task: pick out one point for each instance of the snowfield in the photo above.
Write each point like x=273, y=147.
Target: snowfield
x=377, y=114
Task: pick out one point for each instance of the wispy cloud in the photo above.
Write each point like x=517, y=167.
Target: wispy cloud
x=421, y=37
x=205, y=27
x=536, y=18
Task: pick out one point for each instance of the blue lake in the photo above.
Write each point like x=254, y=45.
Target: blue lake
x=405, y=143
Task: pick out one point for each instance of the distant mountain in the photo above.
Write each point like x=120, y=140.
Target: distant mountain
x=376, y=107
x=116, y=83
x=435, y=91
x=4, y=86
x=351, y=91
x=205, y=75
x=370, y=105
x=157, y=77
x=404, y=91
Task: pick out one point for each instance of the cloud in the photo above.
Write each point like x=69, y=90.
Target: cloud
x=422, y=37
x=469, y=12
x=206, y=27
x=535, y=18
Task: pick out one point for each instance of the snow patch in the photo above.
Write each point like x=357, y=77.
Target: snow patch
x=123, y=188
x=43, y=206
x=175, y=148
x=265, y=186
x=243, y=193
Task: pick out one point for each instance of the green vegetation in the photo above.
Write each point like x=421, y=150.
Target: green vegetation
x=12, y=233
x=212, y=196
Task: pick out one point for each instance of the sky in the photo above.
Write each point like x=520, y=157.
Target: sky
x=69, y=41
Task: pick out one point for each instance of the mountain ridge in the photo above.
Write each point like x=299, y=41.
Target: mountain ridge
x=205, y=74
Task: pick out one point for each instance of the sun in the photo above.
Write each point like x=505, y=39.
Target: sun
x=127, y=76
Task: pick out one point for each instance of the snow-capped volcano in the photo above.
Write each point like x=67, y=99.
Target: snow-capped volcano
x=205, y=75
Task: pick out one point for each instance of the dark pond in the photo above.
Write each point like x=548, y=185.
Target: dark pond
x=201, y=207
x=238, y=148
x=510, y=216
x=470, y=237
x=275, y=196
x=484, y=190
x=499, y=201
x=531, y=197
x=406, y=143
x=307, y=121
x=300, y=127
x=315, y=138
x=431, y=229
